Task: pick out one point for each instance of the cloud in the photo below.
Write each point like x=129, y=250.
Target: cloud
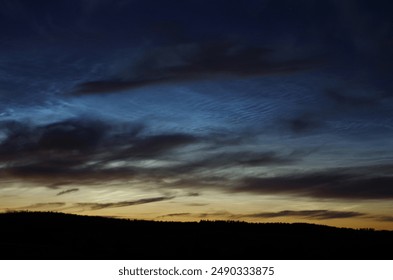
x=152, y=146
x=44, y=173
x=305, y=214
x=215, y=214
x=80, y=150
x=67, y=191
x=261, y=159
x=193, y=194
x=85, y=151
x=81, y=138
x=365, y=183
x=73, y=135
x=347, y=99
x=195, y=62
x=225, y=214
x=197, y=204
x=383, y=218
x=309, y=214
x=88, y=152
x=303, y=123
x=236, y=159
x=173, y=215
x=98, y=206
x=44, y=205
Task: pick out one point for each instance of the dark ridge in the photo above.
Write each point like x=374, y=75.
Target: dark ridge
x=49, y=235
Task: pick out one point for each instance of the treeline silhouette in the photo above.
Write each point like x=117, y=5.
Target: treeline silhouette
x=49, y=235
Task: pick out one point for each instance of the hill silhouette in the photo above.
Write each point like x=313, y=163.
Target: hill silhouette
x=48, y=235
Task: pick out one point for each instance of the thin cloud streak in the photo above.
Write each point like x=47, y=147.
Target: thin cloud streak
x=67, y=191
x=383, y=218
x=99, y=206
x=44, y=205
x=173, y=215
x=309, y=214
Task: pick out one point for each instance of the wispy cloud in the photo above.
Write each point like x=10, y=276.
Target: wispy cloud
x=382, y=218
x=98, y=206
x=45, y=205
x=173, y=215
x=197, y=204
x=309, y=214
x=323, y=214
x=242, y=159
x=193, y=194
x=215, y=214
x=67, y=191
x=345, y=98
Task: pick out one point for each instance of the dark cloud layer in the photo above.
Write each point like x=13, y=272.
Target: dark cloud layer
x=83, y=138
x=335, y=184
x=309, y=214
x=24, y=139
x=195, y=62
x=156, y=145
x=78, y=150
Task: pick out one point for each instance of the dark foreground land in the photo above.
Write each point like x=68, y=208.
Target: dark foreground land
x=45, y=235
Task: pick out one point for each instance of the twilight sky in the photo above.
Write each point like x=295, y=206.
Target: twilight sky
x=263, y=111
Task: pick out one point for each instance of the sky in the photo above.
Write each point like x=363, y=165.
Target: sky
x=259, y=111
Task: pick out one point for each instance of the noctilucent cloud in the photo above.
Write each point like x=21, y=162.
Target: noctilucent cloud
x=262, y=111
